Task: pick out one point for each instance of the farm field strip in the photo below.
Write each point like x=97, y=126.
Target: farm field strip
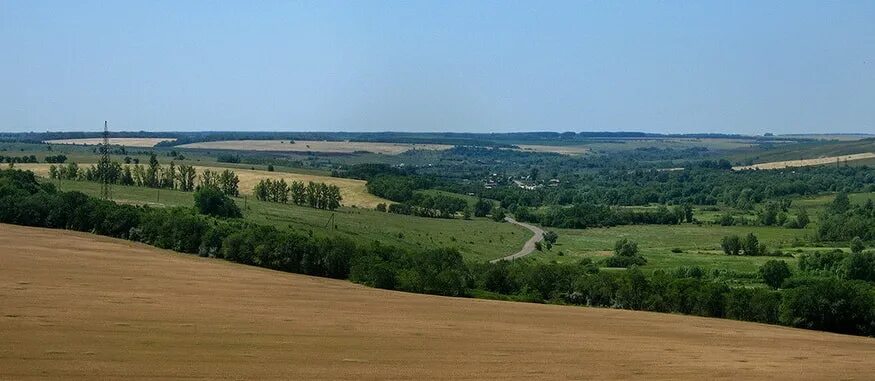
x=807, y=162
x=128, y=142
x=160, y=314
x=314, y=146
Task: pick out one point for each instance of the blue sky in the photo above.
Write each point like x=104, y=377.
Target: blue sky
x=479, y=66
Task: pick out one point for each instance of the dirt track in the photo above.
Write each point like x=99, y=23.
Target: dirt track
x=76, y=306
x=529, y=246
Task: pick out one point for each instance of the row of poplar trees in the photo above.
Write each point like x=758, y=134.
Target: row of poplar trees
x=314, y=195
x=172, y=176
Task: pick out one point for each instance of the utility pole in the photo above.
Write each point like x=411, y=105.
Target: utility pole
x=104, y=166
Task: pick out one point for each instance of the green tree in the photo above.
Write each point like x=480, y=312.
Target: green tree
x=482, y=208
x=860, y=266
x=731, y=244
x=841, y=203
x=802, y=219
x=750, y=245
x=551, y=237
x=211, y=201
x=774, y=273
x=857, y=245
x=498, y=215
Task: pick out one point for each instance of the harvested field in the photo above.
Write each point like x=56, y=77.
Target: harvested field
x=78, y=306
x=127, y=142
x=315, y=146
x=354, y=191
x=808, y=162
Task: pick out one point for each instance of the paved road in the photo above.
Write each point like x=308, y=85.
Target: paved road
x=529, y=247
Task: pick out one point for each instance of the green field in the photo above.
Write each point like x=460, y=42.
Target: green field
x=477, y=239
x=700, y=244
x=481, y=239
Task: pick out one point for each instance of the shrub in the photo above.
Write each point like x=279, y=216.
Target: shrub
x=625, y=248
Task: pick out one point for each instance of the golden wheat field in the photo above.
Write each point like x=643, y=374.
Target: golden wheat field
x=315, y=146
x=80, y=307
x=354, y=192
x=127, y=142
x=807, y=162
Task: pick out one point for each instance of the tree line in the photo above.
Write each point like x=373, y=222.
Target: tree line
x=842, y=221
x=18, y=159
x=587, y=215
x=181, y=177
x=431, y=205
x=314, y=195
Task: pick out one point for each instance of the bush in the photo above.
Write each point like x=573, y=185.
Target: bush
x=213, y=202
x=625, y=248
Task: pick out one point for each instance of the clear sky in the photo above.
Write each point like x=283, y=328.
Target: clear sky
x=479, y=66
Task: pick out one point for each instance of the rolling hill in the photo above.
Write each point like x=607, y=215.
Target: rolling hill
x=79, y=306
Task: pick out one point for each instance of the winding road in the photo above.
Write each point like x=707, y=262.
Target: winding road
x=529, y=247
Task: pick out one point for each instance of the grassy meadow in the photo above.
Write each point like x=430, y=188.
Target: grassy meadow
x=477, y=239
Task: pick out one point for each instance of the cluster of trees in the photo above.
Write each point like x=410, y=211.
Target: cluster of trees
x=56, y=159
x=830, y=304
x=748, y=245
x=743, y=190
x=432, y=205
x=839, y=304
x=857, y=265
x=396, y=188
x=18, y=159
x=842, y=221
x=774, y=213
x=179, y=177
x=586, y=215
x=314, y=195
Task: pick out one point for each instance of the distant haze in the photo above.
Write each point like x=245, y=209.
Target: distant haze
x=474, y=66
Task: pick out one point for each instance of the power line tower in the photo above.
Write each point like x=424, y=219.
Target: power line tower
x=104, y=166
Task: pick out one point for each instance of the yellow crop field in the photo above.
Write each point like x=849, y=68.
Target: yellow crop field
x=354, y=192
x=807, y=162
x=79, y=306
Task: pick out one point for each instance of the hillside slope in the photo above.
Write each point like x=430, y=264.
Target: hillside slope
x=78, y=306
